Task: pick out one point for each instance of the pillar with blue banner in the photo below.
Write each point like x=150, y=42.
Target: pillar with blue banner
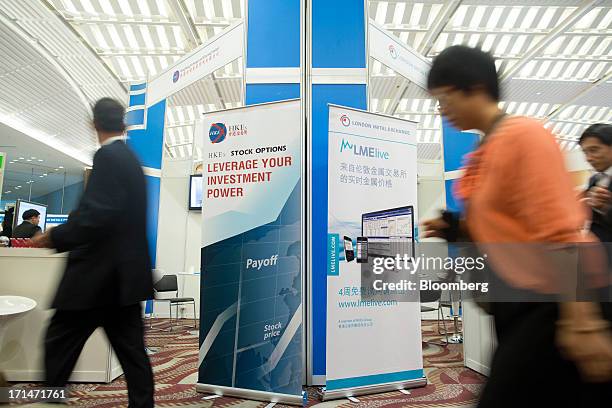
x=145, y=131
x=339, y=76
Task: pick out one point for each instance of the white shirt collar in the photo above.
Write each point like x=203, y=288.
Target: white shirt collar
x=113, y=139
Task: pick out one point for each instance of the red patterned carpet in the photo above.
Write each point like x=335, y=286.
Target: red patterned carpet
x=175, y=356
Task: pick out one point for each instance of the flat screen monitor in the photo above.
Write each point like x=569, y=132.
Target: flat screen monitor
x=195, y=192
x=22, y=206
x=389, y=232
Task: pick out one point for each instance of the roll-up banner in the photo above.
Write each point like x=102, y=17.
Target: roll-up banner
x=2, y=165
x=372, y=345
x=251, y=294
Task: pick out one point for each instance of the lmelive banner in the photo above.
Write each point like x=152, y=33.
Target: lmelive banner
x=372, y=211
x=251, y=312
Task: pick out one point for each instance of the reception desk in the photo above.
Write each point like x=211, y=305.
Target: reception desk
x=35, y=273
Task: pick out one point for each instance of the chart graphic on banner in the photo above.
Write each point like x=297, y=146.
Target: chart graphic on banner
x=372, y=191
x=251, y=310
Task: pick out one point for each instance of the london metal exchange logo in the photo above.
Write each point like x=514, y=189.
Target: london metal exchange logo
x=176, y=76
x=217, y=132
x=392, y=51
x=345, y=120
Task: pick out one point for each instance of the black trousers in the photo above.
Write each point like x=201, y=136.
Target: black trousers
x=70, y=329
x=528, y=370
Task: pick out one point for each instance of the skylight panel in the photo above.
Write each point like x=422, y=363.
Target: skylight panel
x=500, y=49
x=460, y=16
x=115, y=37
x=479, y=13
x=415, y=16
x=494, y=18
x=518, y=45
x=458, y=39
x=441, y=43
x=531, y=15
x=178, y=37
x=603, y=46
x=433, y=13
x=163, y=61
x=398, y=14
x=138, y=67
x=512, y=17
x=571, y=47
x=544, y=66
x=70, y=7
x=571, y=68
x=131, y=37
x=557, y=69
x=143, y=5
x=100, y=40
x=209, y=11
x=606, y=22
x=161, y=6
x=488, y=42
x=123, y=66
x=228, y=12
x=146, y=36
x=532, y=109
x=88, y=7
x=151, y=68
x=191, y=113
x=474, y=38
x=125, y=8
x=545, y=21
x=402, y=105
x=587, y=46
x=381, y=12
x=163, y=38
x=586, y=21
x=107, y=8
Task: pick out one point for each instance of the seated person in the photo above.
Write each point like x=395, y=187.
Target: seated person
x=29, y=227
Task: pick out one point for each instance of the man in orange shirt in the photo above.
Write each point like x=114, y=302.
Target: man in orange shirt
x=516, y=191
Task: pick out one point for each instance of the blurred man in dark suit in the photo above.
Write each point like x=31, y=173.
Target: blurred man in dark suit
x=29, y=227
x=596, y=143
x=108, y=272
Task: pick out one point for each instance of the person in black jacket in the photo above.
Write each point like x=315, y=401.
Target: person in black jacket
x=7, y=224
x=29, y=227
x=596, y=143
x=108, y=272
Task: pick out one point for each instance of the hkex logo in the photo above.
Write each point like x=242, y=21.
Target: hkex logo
x=176, y=76
x=366, y=151
x=217, y=132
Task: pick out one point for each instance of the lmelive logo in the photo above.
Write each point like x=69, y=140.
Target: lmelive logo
x=176, y=76
x=367, y=151
x=217, y=132
x=345, y=120
x=392, y=51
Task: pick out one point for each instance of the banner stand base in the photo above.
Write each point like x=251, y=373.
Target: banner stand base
x=250, y=394
x=371, y=389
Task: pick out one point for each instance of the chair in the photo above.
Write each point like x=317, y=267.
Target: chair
x=169, y=283
x=428, y=296
x=451, y=301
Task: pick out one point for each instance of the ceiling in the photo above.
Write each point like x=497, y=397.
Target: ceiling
x=554, y=58
x=33, y=164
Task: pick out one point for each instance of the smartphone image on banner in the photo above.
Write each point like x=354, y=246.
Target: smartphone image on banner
x=349, y=253
x=362, y=249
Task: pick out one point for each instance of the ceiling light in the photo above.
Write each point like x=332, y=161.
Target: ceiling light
x=7, y=192
x=41, y=176
x=56, y=169
x=33, y=158
x=44, y=174
x=61, y=167
x=29, y=160
x=21, y=158
x=40, y=160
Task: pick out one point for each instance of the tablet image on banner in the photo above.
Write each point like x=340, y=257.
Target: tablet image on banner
x=372, y=189
x=251, y=310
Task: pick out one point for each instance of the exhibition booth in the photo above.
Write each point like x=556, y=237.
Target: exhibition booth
x=300, y=192
x=275, y=232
